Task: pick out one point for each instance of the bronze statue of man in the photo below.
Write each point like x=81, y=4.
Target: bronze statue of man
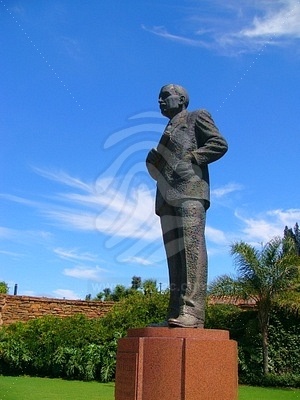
x=180, y=166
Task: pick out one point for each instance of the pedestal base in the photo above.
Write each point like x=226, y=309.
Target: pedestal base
x=176, y=364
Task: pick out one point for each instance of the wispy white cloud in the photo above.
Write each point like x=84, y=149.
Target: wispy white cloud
x=24, y=236
x=138, y=260
x=69, y=218
x=120, y=208
x=216, y=236
x=232, y=27
x=278, y=21
x=256, y=230
x=63, y=178
x=286, y=217
x=114, y=207
x=84, y=272
x=74, y=255
x=19, y=199
x=11, y=254
x=263, y=227
x=129, y=215
x=164, y=33
x=226, y=189
x=118, y=204
x=115, y=213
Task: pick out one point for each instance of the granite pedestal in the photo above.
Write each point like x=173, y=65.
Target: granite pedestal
x=176, y=364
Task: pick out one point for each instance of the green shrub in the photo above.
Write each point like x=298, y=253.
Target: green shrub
x=135, y=311
x=78, y=363
x=284, y=349
x=15, y=357
x=4, y=289
x=52, y=346
x=82, y=348
x=284, y=380
x=284, y=346
x=76, y=347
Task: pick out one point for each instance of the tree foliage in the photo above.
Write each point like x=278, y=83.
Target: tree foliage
x=77, y=347
x=136, y=282
x=120, y=292
x=293, y=234
x=136, y=311
x=4, y=288
x=263, y=276
x=81, y=348
x=284, y=345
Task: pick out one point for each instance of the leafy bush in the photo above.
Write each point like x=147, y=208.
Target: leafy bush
x=135, y=311
x=221, y=316
x=15, y=355
x=76, y=347
x=52, y=346
x=284, y=349
x=284, y=380
x=284, y=346
x=82, y=348
x=4, y=287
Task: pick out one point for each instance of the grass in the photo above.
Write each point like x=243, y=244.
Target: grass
x=25, y=388
x=256, y=393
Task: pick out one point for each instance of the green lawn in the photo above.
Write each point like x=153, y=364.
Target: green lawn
x=255, y=393
x=24, y=388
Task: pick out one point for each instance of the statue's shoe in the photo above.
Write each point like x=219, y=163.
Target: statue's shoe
x=185, y=321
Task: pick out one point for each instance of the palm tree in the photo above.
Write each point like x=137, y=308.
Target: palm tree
x=262, y=276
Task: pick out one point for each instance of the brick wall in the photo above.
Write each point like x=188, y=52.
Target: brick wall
x=24, y=308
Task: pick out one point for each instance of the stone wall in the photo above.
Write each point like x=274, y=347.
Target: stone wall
x=24, y=308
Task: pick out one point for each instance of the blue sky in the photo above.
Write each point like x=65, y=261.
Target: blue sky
x=79, y=112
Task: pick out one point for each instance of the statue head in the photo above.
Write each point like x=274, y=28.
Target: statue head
x=172, y=99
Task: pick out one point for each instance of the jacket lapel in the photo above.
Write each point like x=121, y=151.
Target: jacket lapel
x=176, y=121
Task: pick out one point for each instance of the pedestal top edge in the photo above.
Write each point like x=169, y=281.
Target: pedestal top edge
x=196, y=333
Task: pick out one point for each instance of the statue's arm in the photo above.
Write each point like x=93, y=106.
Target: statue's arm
x=211, y=144
x=153, y=163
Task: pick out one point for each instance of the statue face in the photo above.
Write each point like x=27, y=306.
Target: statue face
x=170, y=104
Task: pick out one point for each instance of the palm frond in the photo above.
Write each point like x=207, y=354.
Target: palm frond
x=222, y=286
x=246, y=258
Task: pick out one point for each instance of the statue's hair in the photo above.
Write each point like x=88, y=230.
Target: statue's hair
x=177, y=89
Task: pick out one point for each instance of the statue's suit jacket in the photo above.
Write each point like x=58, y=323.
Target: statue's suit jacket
x=189, y=143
